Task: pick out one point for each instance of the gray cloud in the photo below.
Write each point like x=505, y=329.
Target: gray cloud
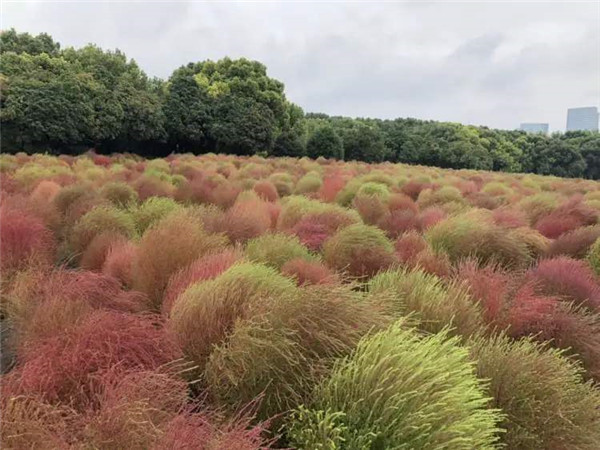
x=494, y=64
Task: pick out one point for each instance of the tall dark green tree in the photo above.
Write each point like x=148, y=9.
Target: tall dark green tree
x=325, y=142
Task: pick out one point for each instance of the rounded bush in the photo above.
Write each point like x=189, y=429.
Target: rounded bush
x=308, y=272
x=204, y=314
x=152, y=211
x=170, y=245
x=99, y=220
x=95, y=253
x=594, y=257
x=119, y=194
x=541, y=393
x=269, y=354
x=576, y=243
x=435, y=305
x=359, y=250
x=311, y=182
x=399, y=390
x=471, y=235
x=314, y=229
x=119, y=262
x=275, y=249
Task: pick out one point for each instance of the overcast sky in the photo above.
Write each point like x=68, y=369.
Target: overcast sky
x=487, y=63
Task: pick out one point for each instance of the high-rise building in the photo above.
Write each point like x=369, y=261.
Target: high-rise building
x=582, y=119
x=534, y=127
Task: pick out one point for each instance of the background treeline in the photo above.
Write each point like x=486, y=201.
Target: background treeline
x=70, y=100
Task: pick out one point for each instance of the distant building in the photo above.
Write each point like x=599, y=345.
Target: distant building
x=582, y=119
x=534, y=128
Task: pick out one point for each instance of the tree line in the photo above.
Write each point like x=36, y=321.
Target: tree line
x=69, y=100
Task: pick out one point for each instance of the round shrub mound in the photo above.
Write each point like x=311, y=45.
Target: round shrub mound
x=205, y=268
x=206, y=312
x=472, y=235
x=541, y=393
x=308, y=272
x=119, y=194
x=399, y=390
x=119, y=262
x=567, y=278
x=170, y=245
x=63, y=367
x=359, y=251
x=282, y=353
x=576, y=243
x=594, y=257
x=24, y=240
x=275, y=249
x=314, y=229
x=436, y=306
x=100, y=220
x=152, y=211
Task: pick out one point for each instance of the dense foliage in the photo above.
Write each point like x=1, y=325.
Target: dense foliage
x=70, y=100
x=243, y=302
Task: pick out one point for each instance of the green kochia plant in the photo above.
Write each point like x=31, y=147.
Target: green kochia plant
x=399, y=390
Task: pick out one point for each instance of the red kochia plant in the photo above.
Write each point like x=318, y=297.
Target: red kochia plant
x=314, y=229
x=413, y=188
x=205, y=431
x=266, y=190
x=332, y=184
x=204, y=268
x=489, y=285
x=45, y=304
x=555, y=225
x=308, y=272
x=569, y=279
x=95, y=253
x=23, y=239
x=398, y=222
x=509, y=218
x=119, y=261
x=409, y=245
x=575, y=243
x=399, y=201
x=550, y=319
x=246, y=220
x=63, y=367
x=430, y=216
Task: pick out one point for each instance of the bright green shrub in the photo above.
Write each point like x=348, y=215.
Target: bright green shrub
x=100, y=220
x=311, y=182
x=359, y=250
x=434, y=305
x=206, y=312
x=542, y=394
x=594, y=256
x=444, y=195
x=295, y=207
x=283, y=353
x=471, y=234
x=153, y=210
x=374, y=189
x=538, y=205
x=399, y=390
x=119, y=194
x=275, y=249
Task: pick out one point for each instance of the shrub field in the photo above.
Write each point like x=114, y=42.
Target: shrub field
x=232, y=302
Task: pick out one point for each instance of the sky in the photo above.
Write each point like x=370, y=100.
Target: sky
x=484, y=63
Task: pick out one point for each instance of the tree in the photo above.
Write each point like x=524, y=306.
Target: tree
x=364, y=143
x=11, y=41
x=325, y=142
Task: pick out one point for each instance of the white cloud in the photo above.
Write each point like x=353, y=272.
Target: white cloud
x=494, y=64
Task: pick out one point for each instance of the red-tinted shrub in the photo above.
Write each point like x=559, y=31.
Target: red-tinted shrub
x=398, y=222
x=147, y=186
x=204, y=268
x=509, y=218
x=408, y=246
x=95, y=253
x=119, y=261
x=568, y=279
x=413, y=188
x=246, y=220
x=430, y=216
x=332, y=184
x=63, y=367
x=575, y=243
x=554, y=225
x=24, y=240
x=435, y=264
x=314, y=229
x=266, y=190
x=399, y=201
x=371, y=208
x=489, y=285
x=308, y=272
